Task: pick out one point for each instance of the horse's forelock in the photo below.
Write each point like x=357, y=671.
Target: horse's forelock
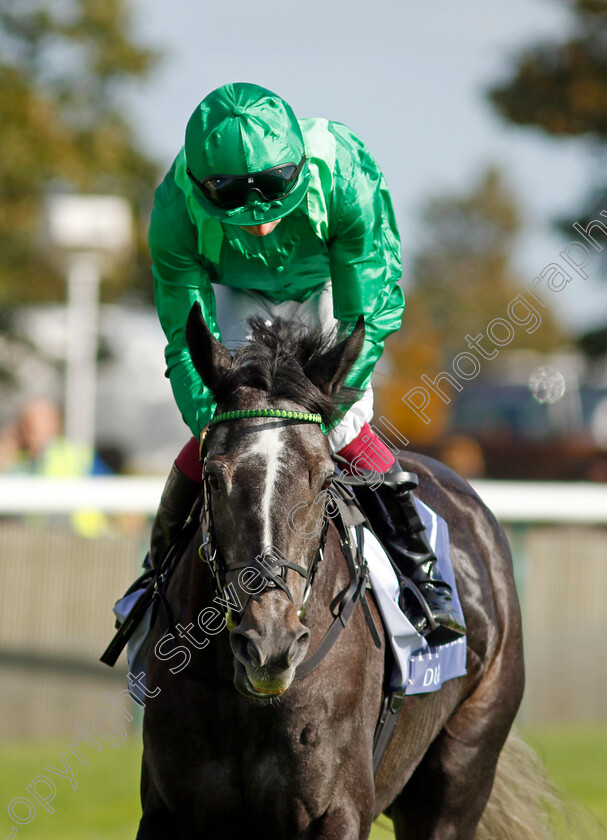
x=273, y=361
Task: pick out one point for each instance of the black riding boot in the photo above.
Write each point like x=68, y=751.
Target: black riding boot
x=178, y=497
x=395, y=520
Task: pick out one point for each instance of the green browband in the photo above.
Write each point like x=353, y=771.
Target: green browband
x=301, y=416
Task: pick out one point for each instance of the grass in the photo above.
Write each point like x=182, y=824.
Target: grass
x=576, y=758
x=105, y=805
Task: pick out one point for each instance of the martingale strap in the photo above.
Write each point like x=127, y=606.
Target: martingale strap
x=153, y=583
x=342, y=509
x=348, y=515
x=392, y=705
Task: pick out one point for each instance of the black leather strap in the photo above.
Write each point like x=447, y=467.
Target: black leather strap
x=394, y=477
x=354, y=592
x=337, y=625
x=129, y=625
x=386, y=724
x=155, y=581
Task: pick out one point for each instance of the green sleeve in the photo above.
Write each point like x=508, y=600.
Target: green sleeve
x=364, y=249
x=180, y=279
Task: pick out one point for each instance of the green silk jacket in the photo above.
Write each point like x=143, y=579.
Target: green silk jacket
x=344, y=230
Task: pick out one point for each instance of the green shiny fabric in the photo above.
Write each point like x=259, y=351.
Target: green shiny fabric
x=241, y=128
x=344, y=231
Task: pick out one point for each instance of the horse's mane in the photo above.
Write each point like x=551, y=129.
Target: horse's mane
x=276, y=359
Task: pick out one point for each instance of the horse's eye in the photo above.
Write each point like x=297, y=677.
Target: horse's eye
x=328, y=481
x=214, y=482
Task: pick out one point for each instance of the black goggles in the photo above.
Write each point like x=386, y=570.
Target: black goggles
x=231, y=191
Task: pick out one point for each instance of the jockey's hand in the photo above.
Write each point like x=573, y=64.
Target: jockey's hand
x=367, y=452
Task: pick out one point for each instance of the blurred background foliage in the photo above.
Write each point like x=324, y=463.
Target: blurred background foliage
x=66, y=71
x=560, y=87
x=66, y=68
x=63, y=69
x=463, y=274
x=462, y=278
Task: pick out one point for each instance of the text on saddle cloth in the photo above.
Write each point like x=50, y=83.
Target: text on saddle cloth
x=418, y=667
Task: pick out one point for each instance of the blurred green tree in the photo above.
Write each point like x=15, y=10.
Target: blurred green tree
x=64, y=68
x=462, y=278
x=561, y=87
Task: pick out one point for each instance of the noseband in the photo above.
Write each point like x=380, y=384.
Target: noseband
x=272, y=567
x=340, y=507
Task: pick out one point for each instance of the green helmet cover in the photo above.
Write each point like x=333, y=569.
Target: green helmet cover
x=241, y=128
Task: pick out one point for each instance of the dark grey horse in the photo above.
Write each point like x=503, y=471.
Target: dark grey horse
x=291, y=758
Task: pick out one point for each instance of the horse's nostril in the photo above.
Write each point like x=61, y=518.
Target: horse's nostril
x=303, y=636
x=287, y=651
x=256, y=655
x=245, y=649
x=298, y=648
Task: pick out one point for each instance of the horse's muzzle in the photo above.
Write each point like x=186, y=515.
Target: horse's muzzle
x=267, y=660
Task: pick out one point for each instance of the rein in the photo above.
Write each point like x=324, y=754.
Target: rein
x=340, y=507
x=272, y=565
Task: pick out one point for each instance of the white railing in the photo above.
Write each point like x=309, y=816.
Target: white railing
x=510, y=501
x=545, y=502
x=108, y=494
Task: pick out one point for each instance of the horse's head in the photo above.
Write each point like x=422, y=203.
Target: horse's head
x=267, y=477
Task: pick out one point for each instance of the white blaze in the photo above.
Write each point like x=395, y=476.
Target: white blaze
x=268, y=447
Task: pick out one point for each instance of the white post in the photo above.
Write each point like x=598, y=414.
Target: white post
x=89, y=232
x=83, y=277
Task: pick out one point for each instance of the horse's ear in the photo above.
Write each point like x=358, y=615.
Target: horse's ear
x=211, y=359
x=328, y=371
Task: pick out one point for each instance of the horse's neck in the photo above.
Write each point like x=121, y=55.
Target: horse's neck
x=191, y=585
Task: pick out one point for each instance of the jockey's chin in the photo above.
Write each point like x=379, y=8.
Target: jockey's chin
x=261, y=230
x=255, y=684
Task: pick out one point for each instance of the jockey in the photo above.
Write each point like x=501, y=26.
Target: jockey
x=262, y=213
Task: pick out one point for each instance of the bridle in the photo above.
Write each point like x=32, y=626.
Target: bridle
x=341, y=508
x=271, y=567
